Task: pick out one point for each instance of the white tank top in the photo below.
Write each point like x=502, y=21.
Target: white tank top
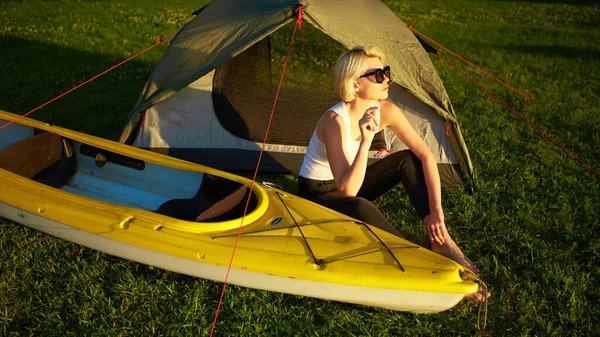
x=315, y=165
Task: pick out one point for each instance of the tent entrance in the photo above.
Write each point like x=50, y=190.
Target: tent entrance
x=244, y=88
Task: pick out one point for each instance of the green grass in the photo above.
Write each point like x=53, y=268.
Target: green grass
x=532, y=225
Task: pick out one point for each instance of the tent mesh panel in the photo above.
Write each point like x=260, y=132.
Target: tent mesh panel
x=245, y=87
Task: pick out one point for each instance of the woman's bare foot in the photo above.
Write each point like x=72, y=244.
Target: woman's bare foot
x=450, y=250
x=478, y=296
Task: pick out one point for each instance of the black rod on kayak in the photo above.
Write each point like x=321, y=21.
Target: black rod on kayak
x=324, y=222
x=386, y=246
x=328, y=260
x=317, y=261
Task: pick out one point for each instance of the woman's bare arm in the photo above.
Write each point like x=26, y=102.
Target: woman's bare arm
x=393, y=118
x=349, y=176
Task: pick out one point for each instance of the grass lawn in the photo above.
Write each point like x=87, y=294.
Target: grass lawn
x=532, y=226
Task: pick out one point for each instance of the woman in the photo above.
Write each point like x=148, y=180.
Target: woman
x=335, y=173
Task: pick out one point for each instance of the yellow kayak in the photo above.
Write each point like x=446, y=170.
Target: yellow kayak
x=184, y=217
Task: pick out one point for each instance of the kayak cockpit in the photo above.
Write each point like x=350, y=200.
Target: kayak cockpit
x=107, y=176
x=44, y=157
x=217, y=200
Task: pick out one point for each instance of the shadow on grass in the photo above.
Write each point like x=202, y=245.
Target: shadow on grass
x=576, y=53
x=551, y=51
x=35, y=72
x=566, y=2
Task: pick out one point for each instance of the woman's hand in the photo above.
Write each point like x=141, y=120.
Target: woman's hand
x=368, y=124
x=436, y=228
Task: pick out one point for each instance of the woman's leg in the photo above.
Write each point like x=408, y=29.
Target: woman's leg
x=405, y=167
x=402, y=166
x=325, y=193
x=358, y=208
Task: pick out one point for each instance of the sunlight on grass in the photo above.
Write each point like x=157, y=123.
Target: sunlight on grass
x=532, y=226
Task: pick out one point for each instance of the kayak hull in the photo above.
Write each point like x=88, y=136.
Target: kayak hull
x=402, y=300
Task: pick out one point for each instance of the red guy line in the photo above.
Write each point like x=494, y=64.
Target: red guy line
x=298, y=24
x=469, y=63
x=520, y=115
x=81, y=85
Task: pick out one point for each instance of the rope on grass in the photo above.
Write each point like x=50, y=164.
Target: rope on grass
x=262, y=149
x=483, y=290
x=527, y=96
x=82, y=84
x=520, y=115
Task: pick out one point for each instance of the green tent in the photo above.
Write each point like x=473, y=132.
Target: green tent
x=209, y=98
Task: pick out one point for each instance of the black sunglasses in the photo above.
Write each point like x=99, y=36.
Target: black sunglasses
x=379, y=74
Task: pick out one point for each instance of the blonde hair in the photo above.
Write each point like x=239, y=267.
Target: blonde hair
x=350, y=66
